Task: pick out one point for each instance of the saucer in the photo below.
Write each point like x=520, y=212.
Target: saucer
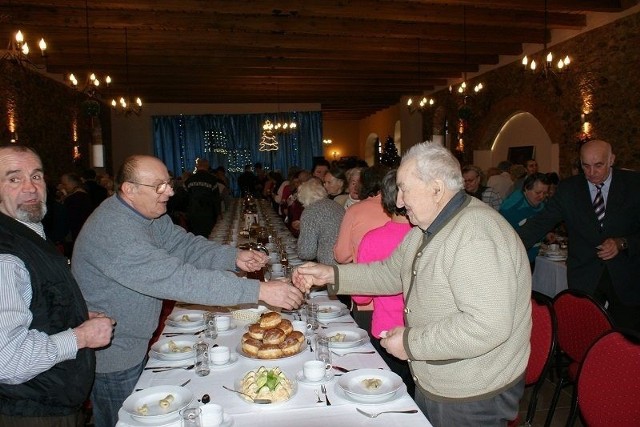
x=233, y=359
x=302, y=380
x=232, y=327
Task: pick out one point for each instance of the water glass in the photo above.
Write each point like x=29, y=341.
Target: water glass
x=210, y=326
x=312, y=316
x=191, y=417
x=202, y=358
x=323, y=352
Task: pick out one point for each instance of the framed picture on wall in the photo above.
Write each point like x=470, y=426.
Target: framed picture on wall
x=519, y=155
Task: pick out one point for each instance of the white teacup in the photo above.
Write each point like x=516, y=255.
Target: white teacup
x=315, y=370
x=223, y=322
x=219, y=355
x=277, y=267
x=212, y=415
x=300, y=325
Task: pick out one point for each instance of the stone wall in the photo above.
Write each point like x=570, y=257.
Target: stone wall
x=603, y=80
x=43, y=111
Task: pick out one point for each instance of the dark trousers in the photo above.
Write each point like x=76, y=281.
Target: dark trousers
x=623, y=315
x=73, y=420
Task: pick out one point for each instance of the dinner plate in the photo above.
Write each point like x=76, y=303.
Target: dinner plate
x=330, y=310
x=241, y=353
x=186, y=319
x=303, y=380
x=232, y=327
x=553, y=257
x=389, y=398
x=354, y=385
x=233, y=359
x=353, y=337
x=294, y=390
x=160, y=349
x=151, y=397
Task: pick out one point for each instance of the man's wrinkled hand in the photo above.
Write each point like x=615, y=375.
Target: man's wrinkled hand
x=281, y=294
x=251, y=260
x=393, y=343
x=312, y=274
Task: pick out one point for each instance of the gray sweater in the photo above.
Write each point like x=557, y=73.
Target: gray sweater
x=319, y=226
x=126, y=264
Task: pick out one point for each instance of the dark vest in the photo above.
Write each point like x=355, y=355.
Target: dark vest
x=57, y=305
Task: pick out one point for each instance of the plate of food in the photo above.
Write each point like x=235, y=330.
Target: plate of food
x=173, y=349
x=272, y=337
x=330, y=310
x=266, y=383
x=346, y=336
x=186, y=319
x=155, y=405
x=370, y=385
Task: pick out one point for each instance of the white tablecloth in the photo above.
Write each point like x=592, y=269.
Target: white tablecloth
x=301, y=410
x=549, y=277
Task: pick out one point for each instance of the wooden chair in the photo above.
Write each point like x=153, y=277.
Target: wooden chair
x=608, y=386
x=580, y=320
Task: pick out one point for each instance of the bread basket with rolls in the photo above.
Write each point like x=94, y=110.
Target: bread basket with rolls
x=271, y=337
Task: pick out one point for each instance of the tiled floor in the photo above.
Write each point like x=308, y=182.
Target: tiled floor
x=544, y=401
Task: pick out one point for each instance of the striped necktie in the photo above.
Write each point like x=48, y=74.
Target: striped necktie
x=598, y=204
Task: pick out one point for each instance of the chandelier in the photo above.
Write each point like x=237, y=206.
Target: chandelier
x=547, y=68
x=18, y=51
x=125, y=106
x=93, y=81
x=425, y=102
x=462, y=89
x=279, y=124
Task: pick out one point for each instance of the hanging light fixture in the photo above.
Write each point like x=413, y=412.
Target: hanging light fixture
x=127, y=106
x=546, y=67
x=279, y=124
x=425, y=102
x=462, y=89
x=18, y=52
x=93, y=81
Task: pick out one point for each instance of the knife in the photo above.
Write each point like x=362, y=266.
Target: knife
x=341, y=369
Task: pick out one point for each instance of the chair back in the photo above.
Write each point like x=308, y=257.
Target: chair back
x=543, y=339
x=581, y=320
x=609, y=381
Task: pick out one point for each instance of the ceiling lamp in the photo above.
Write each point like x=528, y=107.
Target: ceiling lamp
x=546, y=67
x=425, y=102
x=18, y=51
x=279, y=124
x=93, y=82
x=462, y=89
x=125, y=106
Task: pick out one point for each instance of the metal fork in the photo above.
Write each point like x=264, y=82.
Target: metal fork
x=324, y=391
x=318, y=396
x=352, y=352
x=409, y=411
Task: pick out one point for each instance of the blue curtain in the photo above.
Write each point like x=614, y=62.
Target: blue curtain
x=233, y=141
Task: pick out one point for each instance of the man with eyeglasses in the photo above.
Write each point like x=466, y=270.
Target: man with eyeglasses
x=129, y=256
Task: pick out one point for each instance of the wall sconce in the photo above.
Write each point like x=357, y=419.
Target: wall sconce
x=335, y=155
x=327, y=141
x=14, y=137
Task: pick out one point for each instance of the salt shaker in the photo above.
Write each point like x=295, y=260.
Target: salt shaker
x=202, y=358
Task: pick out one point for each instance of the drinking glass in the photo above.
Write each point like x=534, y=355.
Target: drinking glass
x=312, y=316
x=202, y=358
x=191, y=417
x=210, y=327
x=323, y=352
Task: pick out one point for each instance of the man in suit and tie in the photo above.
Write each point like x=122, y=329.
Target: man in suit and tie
x=601, y=211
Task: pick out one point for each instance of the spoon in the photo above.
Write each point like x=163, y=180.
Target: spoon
x=260, y=401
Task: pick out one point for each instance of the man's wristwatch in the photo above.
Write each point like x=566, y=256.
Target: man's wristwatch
x=623, y=245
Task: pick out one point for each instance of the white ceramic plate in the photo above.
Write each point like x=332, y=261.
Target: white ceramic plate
x=353, y=385
x=151, y=397
x=329, y=310
x=241, y=352
x=160, y=349
x=232, y=327
x=389, y=398
x=233, y=359
x=303, y=380
x=186, y=319
x=354, y=337
x=556, y=257
x=294, y=390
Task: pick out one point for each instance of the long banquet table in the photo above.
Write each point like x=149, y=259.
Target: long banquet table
x=549, y=277
x=301, y=409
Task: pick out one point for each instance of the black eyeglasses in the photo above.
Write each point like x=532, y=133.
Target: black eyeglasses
x=160, y=188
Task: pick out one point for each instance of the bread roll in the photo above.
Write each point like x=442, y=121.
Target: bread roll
x=286, y=326
x=269, y=351
x=290, y=346
x=256, y=331
x=299, y=336
x=270, y=320
x=273, y=336
x=246, y=336
x=251, y=347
